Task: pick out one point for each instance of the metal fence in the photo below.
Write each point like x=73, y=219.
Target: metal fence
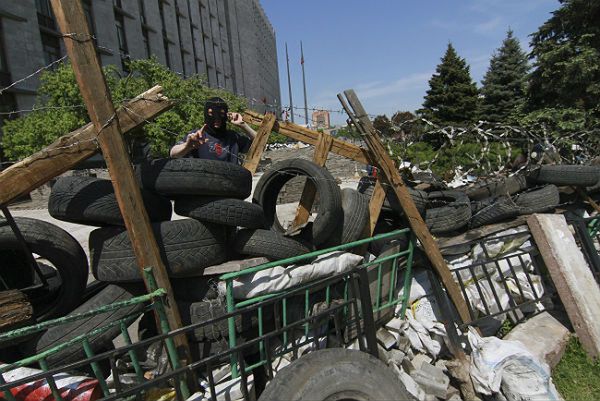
x=328, y=312
x=505, y=276
x=587, y=235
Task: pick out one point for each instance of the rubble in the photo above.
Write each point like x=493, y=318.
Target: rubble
x=432, y=380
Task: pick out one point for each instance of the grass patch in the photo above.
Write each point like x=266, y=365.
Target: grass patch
x=576, y=376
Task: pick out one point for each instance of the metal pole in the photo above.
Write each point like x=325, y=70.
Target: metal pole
x=287, y=58
x=304, y=83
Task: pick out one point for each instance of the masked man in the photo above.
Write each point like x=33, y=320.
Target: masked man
x=214, y=141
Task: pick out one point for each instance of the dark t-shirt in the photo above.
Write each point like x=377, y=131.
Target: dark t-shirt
x=224, y=148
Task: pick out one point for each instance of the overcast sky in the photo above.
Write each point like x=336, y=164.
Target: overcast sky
x=387, y=49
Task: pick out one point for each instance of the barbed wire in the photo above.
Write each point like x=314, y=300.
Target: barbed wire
x=33, y=74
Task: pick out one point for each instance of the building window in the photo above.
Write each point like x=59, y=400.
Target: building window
x=44, y=14
x=122, y=40
x=146, y=39
x=142, y=11
x=167, y=58
x=3, y=62
x=50, y=48
x=87, y=10
x=118, y=3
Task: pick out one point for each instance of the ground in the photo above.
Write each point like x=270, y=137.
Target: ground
x=577, y=377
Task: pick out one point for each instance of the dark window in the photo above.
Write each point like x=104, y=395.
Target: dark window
x=161, y=10
x=3, y=63
x=122, y=39
x=50, y=48
x=142, y=11
x=118, y=3
x=146, y=39
x=44, y=14
x=167, y=58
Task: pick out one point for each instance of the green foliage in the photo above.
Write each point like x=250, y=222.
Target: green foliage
x=452, y=97
x=383, y=125
x=408, y=125
x=276, y=137
x=505, y=83
x=347, y=132
x=59, y=89
x=576, y=375
x=467, y=155
x=566, y=50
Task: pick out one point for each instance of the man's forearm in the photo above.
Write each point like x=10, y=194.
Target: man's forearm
x=179, y=150
x=248, y=130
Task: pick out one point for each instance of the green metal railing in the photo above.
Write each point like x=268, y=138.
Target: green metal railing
x=380, y=301
x=154, y=301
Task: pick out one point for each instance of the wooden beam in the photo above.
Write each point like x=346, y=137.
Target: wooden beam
x=311, y=137
x=71, y=149
x=392, y=175
x=310, y=190
x=81, y=50
x=375, y=205
x=258, y=144
x=15, y=309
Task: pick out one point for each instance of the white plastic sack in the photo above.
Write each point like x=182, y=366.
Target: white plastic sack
x=420, y=286
x=500, y=364
x=279, y=278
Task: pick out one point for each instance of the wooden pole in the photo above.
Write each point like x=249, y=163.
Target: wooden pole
x=375, y=205
x=311, y=137
x=387, y=166
x=71, y=149
x=310, y=190
x=80, y=48
x=258, y=144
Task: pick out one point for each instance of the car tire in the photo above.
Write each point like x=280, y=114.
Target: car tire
x=270, y=244
x=186, y=247
x=538, y=200
x=227, y=211
x=454, y=215
x=356, y=216
x=92, y=201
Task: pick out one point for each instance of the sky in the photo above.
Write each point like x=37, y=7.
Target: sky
x=387, y=50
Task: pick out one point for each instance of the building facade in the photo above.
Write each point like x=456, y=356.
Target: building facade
x=320, y=119
x=230, y=42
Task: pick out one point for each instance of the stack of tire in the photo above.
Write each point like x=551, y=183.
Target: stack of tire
x=220, y=226
x=450, y=211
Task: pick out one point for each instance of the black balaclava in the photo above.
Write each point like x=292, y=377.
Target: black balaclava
x=219, y=112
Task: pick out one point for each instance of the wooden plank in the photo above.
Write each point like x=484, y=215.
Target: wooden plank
x=15, y=309
x=82, y=53
x=392, y=175
x=73, y=148
x=375, y=205
x=258, y=144
x=311, y=137
x=572, y=277
x=310, y=190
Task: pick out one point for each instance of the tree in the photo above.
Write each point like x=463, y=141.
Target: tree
x=410, y=128
x=452, y=98
x=64, y=112
x=504, y=84
x=566, y=53
x=383, y=125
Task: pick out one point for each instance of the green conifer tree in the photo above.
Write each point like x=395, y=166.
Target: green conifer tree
x=504, y=84
x=452, y=98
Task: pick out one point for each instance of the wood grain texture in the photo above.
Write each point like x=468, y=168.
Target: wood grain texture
x=258, y=144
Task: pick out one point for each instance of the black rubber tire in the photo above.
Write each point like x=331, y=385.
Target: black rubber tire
x=453, y=216
x=336, y=374
x=356, y=215
x=54, y=244
x=330, y=199
x=538, y=200
x=366, y=186
x=198, y=312
x=584, y=176
x=92, y=201
x=502, y=209
x=186, y=248
x=231, y=212
x=270, y=244
x=194, y=289
x=189, y=176
x=497, y=187
x=65, y=332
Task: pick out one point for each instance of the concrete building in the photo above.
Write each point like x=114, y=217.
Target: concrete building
x=230, y=42
x=320, y=119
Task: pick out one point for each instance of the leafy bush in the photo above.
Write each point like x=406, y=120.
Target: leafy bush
x=64, y=111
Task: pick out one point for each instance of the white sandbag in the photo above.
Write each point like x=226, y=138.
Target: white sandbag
x=279, y=278
x=500, y=364
x=420, y=286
